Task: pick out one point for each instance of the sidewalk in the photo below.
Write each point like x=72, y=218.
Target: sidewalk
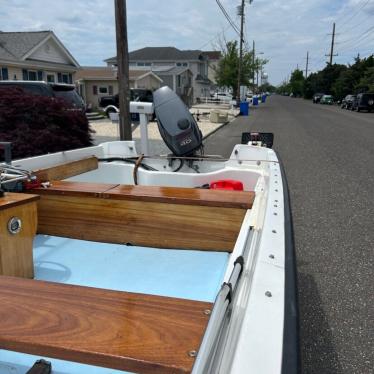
x=106, y=131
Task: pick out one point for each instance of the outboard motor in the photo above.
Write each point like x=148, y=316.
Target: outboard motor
x=176, y=124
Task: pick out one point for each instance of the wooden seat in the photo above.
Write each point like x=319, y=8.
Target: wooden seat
x=164, y=217
x=119, y=330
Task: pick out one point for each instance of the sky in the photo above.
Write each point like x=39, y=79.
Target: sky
x=283, y=30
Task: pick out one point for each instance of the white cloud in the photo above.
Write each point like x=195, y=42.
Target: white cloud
x=283, y=29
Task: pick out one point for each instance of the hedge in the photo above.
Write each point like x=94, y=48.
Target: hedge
x=38, y=125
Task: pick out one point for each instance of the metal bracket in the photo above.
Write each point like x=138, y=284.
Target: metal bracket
x=7, y=148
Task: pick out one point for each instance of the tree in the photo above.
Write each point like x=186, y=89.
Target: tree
x=36, y=125
x=296, y=84
x=227, y=69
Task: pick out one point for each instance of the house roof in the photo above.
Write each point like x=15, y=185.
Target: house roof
x=18, y=46
x=170, y=70
x=14, y=45
x=105, y=73
x=95, y=72
x=161, y=54
x=212, y=55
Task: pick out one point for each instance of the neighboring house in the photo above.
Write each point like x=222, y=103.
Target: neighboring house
x=94, y=82
x=38, y=55
x=155, y=58
x=213, y=59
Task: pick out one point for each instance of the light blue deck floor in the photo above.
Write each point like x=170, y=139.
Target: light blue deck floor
x=195, y=275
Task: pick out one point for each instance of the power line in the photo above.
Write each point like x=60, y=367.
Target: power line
x=215, y=37
x=231, y=22
x=357, y=11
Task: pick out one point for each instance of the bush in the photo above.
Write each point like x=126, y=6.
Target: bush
x=38, y=125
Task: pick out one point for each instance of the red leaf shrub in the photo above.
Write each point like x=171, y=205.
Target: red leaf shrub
x=37, y=124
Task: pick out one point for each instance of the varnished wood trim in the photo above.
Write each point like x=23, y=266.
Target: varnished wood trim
x=140, y=223
x=119, y=330
x=67, y=169
x=171, y=195
x=11, y=199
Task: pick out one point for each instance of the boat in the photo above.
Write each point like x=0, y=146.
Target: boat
x=113, y=262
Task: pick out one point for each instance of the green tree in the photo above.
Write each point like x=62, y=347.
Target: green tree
x=296, y=84
x=227, y=69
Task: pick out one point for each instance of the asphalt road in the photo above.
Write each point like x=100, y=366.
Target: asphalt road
x=328, y=154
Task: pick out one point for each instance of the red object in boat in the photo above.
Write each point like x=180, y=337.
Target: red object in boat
x=30, y=184
x=227, y=184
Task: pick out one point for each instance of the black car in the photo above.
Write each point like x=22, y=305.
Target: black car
x=317, y=97
x=363, y=101
x=66, y=92
x=110, y=104
x=348, y=101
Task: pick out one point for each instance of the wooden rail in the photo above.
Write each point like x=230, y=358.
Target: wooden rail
x=119, y=330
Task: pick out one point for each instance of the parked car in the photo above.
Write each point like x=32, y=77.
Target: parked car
x=317, y=97
x=327, y=99
x=363, y=101
x=347, y=102
x=110, y=104
x=67, y=92
x=223, y=96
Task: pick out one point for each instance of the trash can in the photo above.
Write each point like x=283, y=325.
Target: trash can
x=263, y=98
x=244, y=108
x=255, y=100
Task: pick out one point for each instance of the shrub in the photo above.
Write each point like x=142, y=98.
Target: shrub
x=38, y=125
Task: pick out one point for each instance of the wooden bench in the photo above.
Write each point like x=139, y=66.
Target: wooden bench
x=119, y=330
x=164, y=217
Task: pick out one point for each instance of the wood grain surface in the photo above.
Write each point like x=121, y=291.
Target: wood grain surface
x=139, y=222
x=74, y=188
x=67, y=169
x=119, y=330
x=172, y=195
x=11, y=199
x=16, y=257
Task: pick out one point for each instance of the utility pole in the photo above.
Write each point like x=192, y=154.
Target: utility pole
x=123, y=70
x=241, y=13
x=253, y=64
x=307, y=63
x=331, y=55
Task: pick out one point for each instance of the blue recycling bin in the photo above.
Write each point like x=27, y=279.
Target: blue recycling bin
x=244, y=108
x=255, y=100
x=263, y=98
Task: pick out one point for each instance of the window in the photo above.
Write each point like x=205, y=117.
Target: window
x=64, y=78
x=4, y=74
x=140, y=64
x=110, y=90
x=181, y=64
x=103, y=90
x=94, y=90
x=31, y=75
x=178, y=80
x=147, y=64
x=50, y=78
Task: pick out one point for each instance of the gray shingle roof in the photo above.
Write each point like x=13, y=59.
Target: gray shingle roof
x=14, y=45
x=161, y=54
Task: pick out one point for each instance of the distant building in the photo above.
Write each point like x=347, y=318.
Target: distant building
x=94, y=82
x=213, y=59
x=38, y=55
x=184, y=71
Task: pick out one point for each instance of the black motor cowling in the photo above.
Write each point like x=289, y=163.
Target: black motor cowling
x=176, y=124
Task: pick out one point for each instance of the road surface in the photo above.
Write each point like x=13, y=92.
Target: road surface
x=328, y=154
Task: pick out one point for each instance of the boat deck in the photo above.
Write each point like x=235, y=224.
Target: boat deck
x=180, y=274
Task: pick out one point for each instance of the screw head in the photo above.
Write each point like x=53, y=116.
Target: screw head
x=275, y=213
x=192, y=353
x=274, y=231
x=207, y=312
x=268, y=294
x=271, y=256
